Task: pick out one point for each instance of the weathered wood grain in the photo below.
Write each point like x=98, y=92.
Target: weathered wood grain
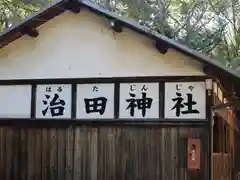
x=77, y=154
x=45, y=153
x=69, y=153
x=93, y=143
x=61, y=153
x=2, y=152
x=99, y=153
x=37, y=154
x=53, y=154
x=23, y=154
x=30, y=154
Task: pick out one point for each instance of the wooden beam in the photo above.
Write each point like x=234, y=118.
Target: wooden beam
x=116, y=26
x=73, y=6
x=32, y=32
x=161, y=46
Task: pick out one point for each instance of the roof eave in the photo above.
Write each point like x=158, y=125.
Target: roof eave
x=58, y=7
x=156, y=36
x=35, y=20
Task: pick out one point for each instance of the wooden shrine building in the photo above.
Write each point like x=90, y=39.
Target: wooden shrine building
x=86, y=94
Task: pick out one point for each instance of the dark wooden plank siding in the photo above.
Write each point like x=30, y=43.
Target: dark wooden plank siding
x=53, y=154
x=30, y=154
x=9, y=151
x=98, y=153
x=2, y=153
x=45, y=156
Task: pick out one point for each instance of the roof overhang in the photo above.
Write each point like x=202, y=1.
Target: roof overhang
x=212, y=67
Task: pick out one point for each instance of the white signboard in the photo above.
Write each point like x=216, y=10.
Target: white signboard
x=185, y=100
x=15, y=101
x=53, y=101
x=139, y=100
x=95, y=101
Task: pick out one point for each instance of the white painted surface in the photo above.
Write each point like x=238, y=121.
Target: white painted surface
x=82, y=45
x=65, y=94
x=91, y=91
x=198, y=95
x=136, y=89
x=15, y=101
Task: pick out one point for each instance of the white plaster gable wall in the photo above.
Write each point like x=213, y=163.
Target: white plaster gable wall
x=76, y=46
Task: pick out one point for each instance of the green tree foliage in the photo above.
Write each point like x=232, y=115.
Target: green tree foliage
x=209, y=26
x=13, y=11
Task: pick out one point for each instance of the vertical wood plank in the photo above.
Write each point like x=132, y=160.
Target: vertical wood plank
x=69, y=153
x=124, y=144
x=45, y=154
x=30, y=154
x=147, y=154
x=141, y=157
x=119, y=153
x=153, y=170
x=109, y=141
x=158, y=153
x=16, y=151
x=77, y=154
x=138, y=152
x=94, y=153
x=130, y=149
x=61, y=145
x=174, y=153
x=102, y=157
x=2, y=152
x=38, y=154
x=113, y=153
x=163, y=171
x=53, y=154
x=85, y=153
x=23, y=153
x=9, y=153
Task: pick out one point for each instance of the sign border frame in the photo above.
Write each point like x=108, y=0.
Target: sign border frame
x=117, y=81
